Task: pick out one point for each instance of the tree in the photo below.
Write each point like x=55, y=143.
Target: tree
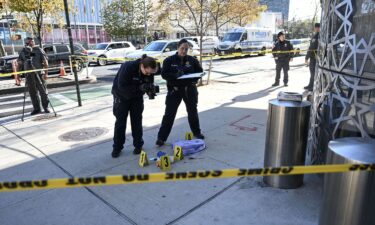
x=124, y=18
x=240, y=12
x=190, y=15
x=245, y=11
x=35, y=11
x=299, y=28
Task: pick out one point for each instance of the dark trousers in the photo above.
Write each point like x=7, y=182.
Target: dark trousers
x=284, y=65
x=174, y=97
x=37, y=86
x=312, y=72
x=121, y=109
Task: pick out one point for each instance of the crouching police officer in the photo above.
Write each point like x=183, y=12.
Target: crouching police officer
x=133, y=80
x=283, y=54
x=180, y=89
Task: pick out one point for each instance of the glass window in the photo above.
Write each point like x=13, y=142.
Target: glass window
x=155, y=46
x=48, y=50
x=126, y=45
x=62, y=49
x=102, y=46
x=172, y=46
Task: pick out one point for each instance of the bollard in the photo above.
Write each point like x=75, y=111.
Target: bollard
x=349, y=198
x=286, y=139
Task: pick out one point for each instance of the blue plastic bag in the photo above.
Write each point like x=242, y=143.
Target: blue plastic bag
x=190, y=147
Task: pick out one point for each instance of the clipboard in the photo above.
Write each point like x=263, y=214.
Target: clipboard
x=192, y=75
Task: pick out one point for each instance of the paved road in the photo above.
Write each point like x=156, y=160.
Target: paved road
x=12, y=104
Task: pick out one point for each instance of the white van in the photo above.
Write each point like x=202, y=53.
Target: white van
x=210, y=43
x=246, y=40
x=102, y=51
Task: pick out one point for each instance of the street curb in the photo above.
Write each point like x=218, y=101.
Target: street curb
x=17, y=90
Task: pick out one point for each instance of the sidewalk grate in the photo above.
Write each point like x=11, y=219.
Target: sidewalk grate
x=83, y=134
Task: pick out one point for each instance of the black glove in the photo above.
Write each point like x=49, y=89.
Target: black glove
x=180, y=73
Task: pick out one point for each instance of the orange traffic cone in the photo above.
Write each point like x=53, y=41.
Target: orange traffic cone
x=62, y=69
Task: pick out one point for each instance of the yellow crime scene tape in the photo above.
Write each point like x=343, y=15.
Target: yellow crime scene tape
x=178, y=176
x=206, y=57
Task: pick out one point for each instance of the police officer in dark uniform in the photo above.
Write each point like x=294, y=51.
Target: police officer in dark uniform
x=180, y=89
x=283, y=54
x=312, y=55
x=132, y=81
x=32, y=57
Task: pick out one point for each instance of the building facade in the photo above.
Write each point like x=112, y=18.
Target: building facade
x=344, y=89
x=277, y=6
x=85, y=20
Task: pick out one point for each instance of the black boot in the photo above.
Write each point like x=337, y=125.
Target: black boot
x=159, y=142
x=137, y=151
x=275, y=84
x=116, y=153
x=35, y=111
x=199, y=136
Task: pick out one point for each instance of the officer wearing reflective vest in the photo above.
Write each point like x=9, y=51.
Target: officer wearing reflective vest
x=312, y=55
x=180, y=89
x=133, y=80
x=283, y=54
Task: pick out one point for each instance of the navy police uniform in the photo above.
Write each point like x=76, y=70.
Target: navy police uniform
x=282, y=59
x=312, y=55
x=178, y=90
x=128, y=97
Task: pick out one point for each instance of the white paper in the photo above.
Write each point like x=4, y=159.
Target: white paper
x=192, y=75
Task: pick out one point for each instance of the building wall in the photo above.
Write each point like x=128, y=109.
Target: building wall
x=344, y=89
x=277, y=6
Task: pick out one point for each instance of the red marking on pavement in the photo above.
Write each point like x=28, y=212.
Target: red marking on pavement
x=243, y=128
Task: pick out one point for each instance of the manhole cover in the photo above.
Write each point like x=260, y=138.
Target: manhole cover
x=83, y=134
x=45, y=117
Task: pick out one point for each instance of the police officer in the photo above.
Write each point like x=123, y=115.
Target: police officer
x=180, y=89
x=283, y=54
x=32, y=57
x=312, y=55
x=128, y=90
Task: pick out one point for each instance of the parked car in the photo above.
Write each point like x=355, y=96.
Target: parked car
x=56, y=53
x=6, y=63
x=209, y=45
x=102, y=51
x=162, y=49
x=300, y=45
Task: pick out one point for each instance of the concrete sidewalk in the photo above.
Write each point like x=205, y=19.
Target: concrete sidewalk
x=233, y=114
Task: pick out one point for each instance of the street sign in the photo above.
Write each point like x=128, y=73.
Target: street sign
x=7, y=17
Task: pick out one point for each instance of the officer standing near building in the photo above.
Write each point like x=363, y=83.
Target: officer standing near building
x=180, y=89
x=283, y=54
x=312, y=55
x=132, y=81
x=32, y=57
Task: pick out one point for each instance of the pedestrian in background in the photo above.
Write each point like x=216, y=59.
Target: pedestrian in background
x=128, y=90
x=180, y=89
x=312, y=55
x=32, y=57
x=283, y=54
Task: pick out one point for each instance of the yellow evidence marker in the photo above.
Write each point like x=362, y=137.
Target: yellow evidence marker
x=143, y=160
x=189, y=136
x=165, y=163
x=178, y=153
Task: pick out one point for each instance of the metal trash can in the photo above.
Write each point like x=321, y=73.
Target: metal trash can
x=286, y=139
x=349, y=198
